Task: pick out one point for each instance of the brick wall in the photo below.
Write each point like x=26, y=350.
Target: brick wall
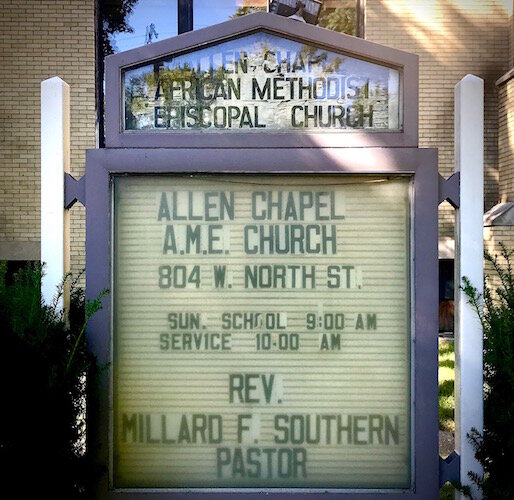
x=506, y=125
x=493, y=236
x=506, y=140
x=510, y=6
x=452, y=39
x=511, y=36
x=40, y=39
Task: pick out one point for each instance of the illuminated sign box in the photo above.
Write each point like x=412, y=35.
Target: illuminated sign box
x=262, y=331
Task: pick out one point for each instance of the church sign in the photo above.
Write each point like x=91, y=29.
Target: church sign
x=261, y=81
x=269, y=329
x=254, y=299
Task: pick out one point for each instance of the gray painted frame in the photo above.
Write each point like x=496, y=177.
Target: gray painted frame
x=421, y=164
x=407, y=64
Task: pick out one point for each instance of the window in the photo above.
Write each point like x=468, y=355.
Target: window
x=339, y=15
x=133, y=23
x=127, y=24
x=207, y=12
x=336, y=15
x=146, y=21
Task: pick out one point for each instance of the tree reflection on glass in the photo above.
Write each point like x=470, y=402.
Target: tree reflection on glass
x=261, y=81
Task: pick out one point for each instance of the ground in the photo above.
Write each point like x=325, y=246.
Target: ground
x=446, y=406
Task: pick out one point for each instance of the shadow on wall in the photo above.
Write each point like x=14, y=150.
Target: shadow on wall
x=452, y=39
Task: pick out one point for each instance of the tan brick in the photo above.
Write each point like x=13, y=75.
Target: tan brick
x=39, y=40
x=452, y=39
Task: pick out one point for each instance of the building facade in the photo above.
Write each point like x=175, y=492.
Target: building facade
x=41, y=39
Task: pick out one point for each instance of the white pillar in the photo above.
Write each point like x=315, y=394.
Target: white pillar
x=469, y=261
x=55, y=160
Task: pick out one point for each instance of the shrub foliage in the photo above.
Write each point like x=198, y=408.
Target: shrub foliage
x=494, y=448
x=44, y=368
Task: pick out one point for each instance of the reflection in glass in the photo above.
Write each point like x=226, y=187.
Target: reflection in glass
x=206, y=12
x=262, y=82
x=150, y=21
x=338, y=15
x=161, y=15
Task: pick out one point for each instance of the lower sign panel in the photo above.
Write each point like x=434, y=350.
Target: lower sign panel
x=261, y=332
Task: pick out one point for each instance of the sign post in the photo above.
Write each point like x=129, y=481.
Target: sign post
x=55, y=161
x=469, y=251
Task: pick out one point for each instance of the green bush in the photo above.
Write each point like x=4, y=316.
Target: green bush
x=44, y=368
x=494, y=448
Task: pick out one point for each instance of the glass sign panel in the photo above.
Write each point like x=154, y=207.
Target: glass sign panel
x=261, y=82
x=261, y=332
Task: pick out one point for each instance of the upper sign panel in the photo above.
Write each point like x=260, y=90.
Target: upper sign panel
x=261, y=82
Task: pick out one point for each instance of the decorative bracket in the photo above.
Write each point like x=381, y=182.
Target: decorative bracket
x=74, y=190
x=449, y=189
x=449, y=469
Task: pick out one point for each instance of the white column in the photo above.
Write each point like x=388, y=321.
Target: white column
x=55, y=160
x=469, y=261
